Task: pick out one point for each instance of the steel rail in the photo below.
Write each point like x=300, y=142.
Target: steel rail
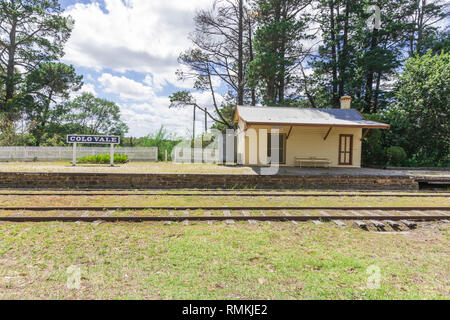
x=124, y=208
x=226, y=195
x=213, y=218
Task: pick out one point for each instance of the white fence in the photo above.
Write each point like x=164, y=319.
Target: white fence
x=65, y=153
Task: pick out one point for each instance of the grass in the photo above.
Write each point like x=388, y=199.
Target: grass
x=133, y=201
x=279, y=260
x=241, y=261
x=132, y=167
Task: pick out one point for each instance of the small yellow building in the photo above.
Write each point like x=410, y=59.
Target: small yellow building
x=307, y=137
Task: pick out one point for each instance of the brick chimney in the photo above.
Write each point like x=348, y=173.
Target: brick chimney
x=346, y=102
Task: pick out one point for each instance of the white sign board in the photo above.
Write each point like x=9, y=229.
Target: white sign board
x=75, y=138
x=78, y=138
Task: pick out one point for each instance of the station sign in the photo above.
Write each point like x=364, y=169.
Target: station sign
x=76, y=138
x=82, y=138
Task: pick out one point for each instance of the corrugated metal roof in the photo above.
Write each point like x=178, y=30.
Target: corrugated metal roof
x=305, y=116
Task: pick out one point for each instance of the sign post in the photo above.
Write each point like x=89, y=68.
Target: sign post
x=111, y=155
x=74, y=154
x=76, y=138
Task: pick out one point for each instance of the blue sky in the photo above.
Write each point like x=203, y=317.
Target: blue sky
x=127, y=51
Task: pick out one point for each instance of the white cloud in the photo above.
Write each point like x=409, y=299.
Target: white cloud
x=145, y=118
x=145, y=112
x=138, y=37
x=204, y=99
x=88, y=88
x=134, y=35
x=127, y=89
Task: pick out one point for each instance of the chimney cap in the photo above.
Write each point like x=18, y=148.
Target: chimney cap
x=346, y=102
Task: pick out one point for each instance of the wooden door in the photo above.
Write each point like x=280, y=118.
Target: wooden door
x=346, y=149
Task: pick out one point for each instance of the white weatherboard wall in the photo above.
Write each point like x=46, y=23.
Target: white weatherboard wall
x=303, y=142
x=65, y=153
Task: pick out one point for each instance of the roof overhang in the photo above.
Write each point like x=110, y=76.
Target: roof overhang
x=369, y=126
x=372, y=125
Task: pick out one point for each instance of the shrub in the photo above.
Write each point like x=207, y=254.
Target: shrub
x=104, y=159
x=396, y=156
x=373, y=152
x=163, y=141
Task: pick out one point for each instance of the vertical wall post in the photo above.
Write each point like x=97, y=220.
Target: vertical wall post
x=74, y=154
x=111, y=155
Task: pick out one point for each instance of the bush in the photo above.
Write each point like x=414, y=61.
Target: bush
x=373, y=152
x=163, y=141
x=396, y=156
x=104, y=159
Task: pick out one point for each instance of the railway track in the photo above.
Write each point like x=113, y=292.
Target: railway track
x=361, y=216
x=219, y=218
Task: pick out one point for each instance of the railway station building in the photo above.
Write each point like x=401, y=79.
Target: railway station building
x=307, y=137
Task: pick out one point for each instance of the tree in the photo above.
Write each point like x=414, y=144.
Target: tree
x=182, y=99
x=162, y=140
x=439, y=42
x=45, y=89
x=200, y=71
x=31, y=32
x=357, y=60
x=224, y=36
x=222, y=49
x=91, y=115
x=420, y=119
x=281, y=26
x=227, y=110
x=424, y=15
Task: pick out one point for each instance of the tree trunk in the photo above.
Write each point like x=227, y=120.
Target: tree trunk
x=343, y=60
x=370, y=75
x=272, y=79
x=251, y=56
x=241, y=55
x=282, y=73
x=333, y=53
x=308, y=94
x=377, y=92
x=38, y=138
x=420, y=27
x=215, y=102
x=10, y=69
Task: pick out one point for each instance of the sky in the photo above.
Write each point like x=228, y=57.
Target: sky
x=127, y=52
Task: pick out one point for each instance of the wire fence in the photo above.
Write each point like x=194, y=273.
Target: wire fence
x=65, y=153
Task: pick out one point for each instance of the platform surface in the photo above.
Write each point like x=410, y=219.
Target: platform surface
x=192, y=168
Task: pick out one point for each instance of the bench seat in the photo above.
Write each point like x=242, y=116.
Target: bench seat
x=312, y=161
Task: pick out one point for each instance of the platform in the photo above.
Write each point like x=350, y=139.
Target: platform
x=176, y=176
